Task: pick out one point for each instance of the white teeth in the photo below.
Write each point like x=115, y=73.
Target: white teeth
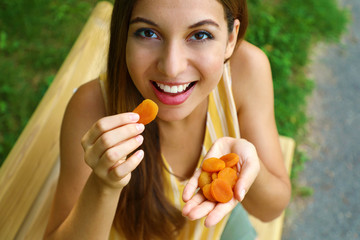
x=160, y=85
x=173, y=88
x=167, y=88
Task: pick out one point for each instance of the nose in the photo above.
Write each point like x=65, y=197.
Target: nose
x=173, y=60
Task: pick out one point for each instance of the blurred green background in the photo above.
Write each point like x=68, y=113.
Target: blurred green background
x=36, y=36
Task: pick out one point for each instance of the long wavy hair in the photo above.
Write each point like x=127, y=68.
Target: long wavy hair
x=143, y=211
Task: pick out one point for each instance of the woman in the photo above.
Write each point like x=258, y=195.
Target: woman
x=188, y=56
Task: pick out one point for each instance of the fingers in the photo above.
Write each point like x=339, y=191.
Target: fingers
x=197, y=207
x=119, y=176
x=249, y=170
x=106, y=124
x=115, y=144
x=115, y=136
x=219, y=212
x=247, y=176
x=191, y=186
x=125, y=167
x=107, y=145
x=114, y=156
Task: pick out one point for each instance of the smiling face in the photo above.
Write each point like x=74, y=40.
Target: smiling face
x=175, y=52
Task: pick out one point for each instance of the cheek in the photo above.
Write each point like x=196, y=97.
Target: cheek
x=137, y=62
x=135, y=68
x=212, y=64
x=131, y=62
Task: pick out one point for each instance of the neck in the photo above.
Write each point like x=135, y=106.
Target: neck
x=194, y=122
x=181, y=141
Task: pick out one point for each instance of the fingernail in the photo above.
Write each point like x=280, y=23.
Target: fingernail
x=134, y=117
x=139, y=138
x=140, y=127
x=242, y=195
x=140, y=154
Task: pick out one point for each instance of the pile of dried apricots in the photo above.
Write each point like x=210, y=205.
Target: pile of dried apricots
x=218, y=177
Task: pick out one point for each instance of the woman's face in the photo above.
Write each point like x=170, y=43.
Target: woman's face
x=175, y=52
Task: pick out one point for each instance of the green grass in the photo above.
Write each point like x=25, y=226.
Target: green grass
x=36, y=36
x=287, y=30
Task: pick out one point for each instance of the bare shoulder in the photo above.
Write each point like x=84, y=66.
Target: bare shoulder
x=251, y=74
x=84, y=108
x=88, y=96
x=247, y=57
x=249, y=48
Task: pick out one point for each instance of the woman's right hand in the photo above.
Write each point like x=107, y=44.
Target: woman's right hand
x=107, y=145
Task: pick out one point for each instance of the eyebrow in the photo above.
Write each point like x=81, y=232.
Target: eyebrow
x=195, y=25
x=205, y=22
x=144, y=20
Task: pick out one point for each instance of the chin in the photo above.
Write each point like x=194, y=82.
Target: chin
x=172, y=115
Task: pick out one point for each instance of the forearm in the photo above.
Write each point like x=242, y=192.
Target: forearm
x=268, y=196
x=93, y=214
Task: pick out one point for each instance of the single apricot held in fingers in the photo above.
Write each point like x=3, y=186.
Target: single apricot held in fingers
x=147, y=110
x=230, y=159
x=213, y=165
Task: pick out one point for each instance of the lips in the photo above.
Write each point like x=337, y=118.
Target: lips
x=173, y=94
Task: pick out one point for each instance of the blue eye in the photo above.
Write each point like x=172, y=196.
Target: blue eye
x=146, y=33
x=201, y=36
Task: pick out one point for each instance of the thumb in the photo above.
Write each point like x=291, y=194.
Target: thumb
x=248, y=173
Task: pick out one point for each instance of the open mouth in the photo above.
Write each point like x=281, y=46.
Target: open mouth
x=173, y=89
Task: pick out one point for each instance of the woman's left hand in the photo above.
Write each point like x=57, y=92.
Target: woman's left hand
x=197, y=206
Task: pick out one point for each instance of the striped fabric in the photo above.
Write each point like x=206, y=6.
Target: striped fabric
x=221, y=121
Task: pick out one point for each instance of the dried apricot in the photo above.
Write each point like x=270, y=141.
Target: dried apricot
x=230, y=159
x=229, y=175
x=204, y=178
x=147, y=110
x=221, y=190
x=207, y=192
x=214, y=176
x=213, y=165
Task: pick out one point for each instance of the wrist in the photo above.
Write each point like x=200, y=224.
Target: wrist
x=102, y=187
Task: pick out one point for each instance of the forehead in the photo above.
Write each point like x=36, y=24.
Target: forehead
x=179, y=11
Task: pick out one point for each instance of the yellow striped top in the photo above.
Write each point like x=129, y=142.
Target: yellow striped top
x=221, y=121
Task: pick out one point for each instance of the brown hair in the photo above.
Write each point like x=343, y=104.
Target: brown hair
x=143, y=211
